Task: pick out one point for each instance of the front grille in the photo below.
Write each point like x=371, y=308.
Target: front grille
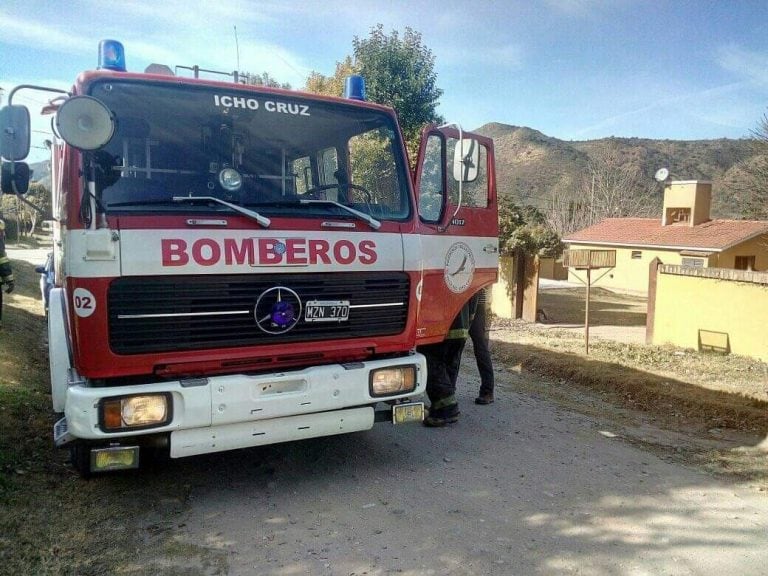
x=175, y=313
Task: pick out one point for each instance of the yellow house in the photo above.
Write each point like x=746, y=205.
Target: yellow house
x=684, y=236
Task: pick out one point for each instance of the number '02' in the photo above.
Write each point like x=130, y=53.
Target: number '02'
x=83, y=302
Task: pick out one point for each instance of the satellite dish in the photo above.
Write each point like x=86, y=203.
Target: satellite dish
x=661, y=174
x=85, y=123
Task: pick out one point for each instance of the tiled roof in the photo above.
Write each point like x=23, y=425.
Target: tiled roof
x=714, y=235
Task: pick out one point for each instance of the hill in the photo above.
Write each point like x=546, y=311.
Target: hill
x=41, y=173
x=530, y=165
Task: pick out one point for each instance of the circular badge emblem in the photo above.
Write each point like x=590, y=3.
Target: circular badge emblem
x=277, y=310
x=85, y=302
x=459, y=267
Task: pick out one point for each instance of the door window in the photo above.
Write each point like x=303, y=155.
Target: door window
x=431, y=185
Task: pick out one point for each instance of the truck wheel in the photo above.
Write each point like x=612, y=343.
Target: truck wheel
x=80, y=457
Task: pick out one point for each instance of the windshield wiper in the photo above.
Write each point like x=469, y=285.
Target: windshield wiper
x=262, y=220
x=372, y=222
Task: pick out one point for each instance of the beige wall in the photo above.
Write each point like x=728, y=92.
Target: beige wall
x=632, y=273
x=502, y=293
x=757, y=247
x=629, y=273
x=686, y=305
x=552, y=269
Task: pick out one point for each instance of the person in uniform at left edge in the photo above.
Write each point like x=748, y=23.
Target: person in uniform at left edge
x=6, y=274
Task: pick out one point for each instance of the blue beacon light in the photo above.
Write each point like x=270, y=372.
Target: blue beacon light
x=111, y=55
x=354, y=87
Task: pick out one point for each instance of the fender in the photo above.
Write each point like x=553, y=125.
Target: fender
x=59, y=353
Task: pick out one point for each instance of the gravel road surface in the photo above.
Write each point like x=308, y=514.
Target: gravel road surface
x=523, y=486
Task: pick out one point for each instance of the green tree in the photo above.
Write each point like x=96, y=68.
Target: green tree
x=21, y=219
x=331, y=85
x=399, y=72
x=525, y=229
x=264, y=79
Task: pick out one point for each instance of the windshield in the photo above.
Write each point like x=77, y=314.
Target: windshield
x=263, y=151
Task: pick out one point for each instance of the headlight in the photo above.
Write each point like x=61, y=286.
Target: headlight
x=230, y=179
x=393, y=380
x=131, y=412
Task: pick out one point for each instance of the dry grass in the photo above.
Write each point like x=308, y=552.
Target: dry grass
x=52, y=522
x=717, y=391
x=733, y=375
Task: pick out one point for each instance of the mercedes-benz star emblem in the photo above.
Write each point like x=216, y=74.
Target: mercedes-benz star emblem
x=277, y=310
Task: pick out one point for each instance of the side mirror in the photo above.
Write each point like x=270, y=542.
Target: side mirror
x=465, y=158
x=15, y=178
x=14, y=132
x=105, y=163
x=85, y=123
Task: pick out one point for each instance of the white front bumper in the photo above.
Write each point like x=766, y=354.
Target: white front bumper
x=263, y=432
x=236, y=411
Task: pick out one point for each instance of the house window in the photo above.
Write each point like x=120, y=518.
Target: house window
x=693, y=262
x=636, y=254
x=744, y=263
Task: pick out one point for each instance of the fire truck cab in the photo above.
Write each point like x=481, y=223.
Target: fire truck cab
x=238, y=265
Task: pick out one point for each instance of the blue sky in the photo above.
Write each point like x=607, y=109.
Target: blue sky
x=573, y=69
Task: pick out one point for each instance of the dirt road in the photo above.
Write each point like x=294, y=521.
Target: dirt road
x=523, y=486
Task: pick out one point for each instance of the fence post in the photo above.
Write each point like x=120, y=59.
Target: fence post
x=650, y=317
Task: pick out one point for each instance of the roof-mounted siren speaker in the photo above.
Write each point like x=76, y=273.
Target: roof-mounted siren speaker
x=160, y=69
x=85, y=123
x=661, y=175
x=354, y=87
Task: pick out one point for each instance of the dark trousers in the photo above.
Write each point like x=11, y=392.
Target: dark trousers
x=478, y=331
x=443, y=362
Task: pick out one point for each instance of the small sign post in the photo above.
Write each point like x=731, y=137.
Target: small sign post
x=589, y=260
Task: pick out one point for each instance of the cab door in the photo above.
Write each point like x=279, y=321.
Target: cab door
x=455, y=183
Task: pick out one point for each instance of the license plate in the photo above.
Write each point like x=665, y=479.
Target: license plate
x=326, y=311
x=411, y=412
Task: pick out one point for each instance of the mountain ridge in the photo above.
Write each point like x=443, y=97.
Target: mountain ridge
x=531, y=165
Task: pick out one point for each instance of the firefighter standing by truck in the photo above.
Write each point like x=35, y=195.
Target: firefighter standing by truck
x=6, y=274
x=443, y=363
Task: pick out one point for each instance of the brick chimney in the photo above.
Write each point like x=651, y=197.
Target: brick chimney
x=686, y=203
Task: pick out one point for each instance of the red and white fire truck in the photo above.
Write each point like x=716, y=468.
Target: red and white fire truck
x=238, y=265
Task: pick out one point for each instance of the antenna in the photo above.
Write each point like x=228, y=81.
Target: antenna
x=237, y=48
